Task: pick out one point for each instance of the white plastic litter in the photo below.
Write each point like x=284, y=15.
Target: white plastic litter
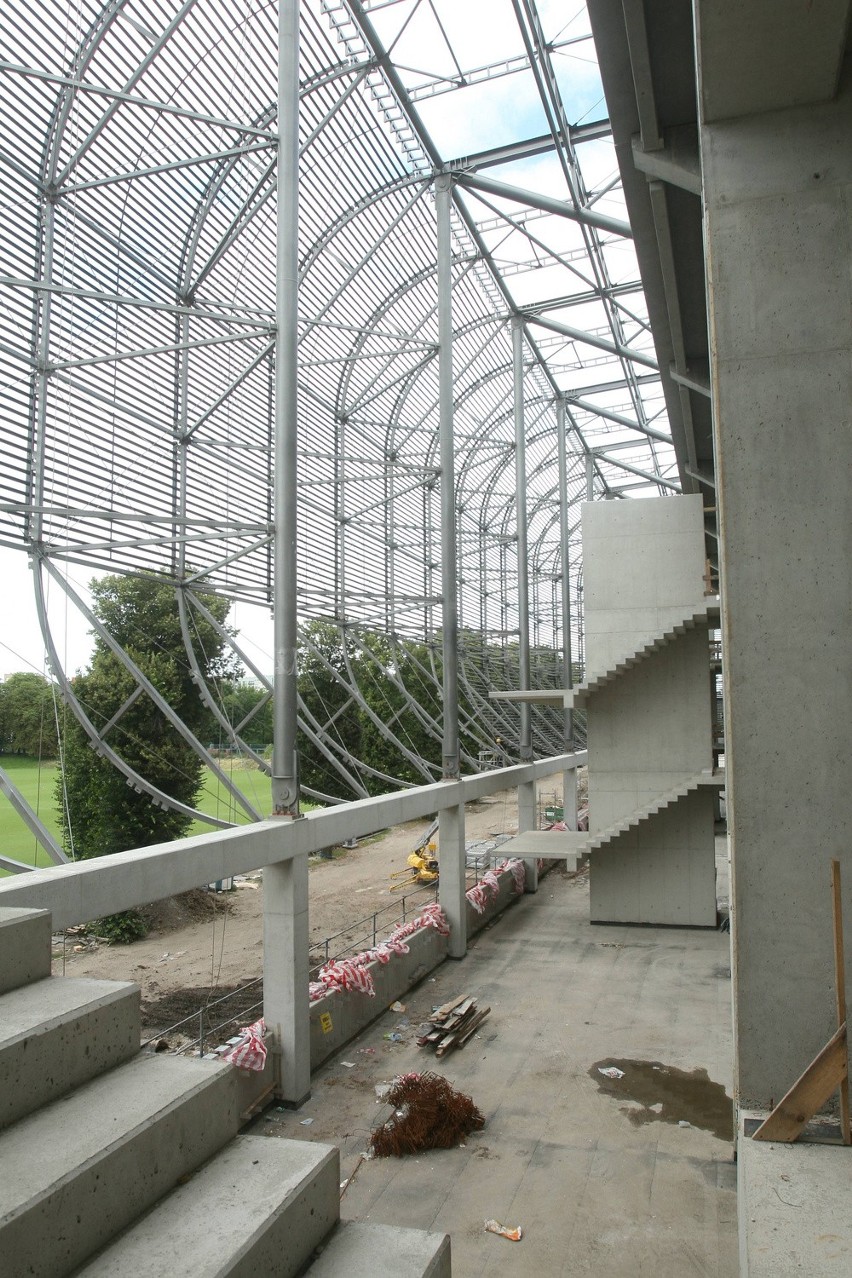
x=612, y=1072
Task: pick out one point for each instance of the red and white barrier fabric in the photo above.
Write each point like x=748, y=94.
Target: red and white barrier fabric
x=250, y=1052
x=489, y=885
x=353, y=974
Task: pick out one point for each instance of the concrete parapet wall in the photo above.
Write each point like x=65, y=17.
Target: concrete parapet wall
x=351, y=1011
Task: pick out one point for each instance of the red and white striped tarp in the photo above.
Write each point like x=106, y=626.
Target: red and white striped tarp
x=250, y=1052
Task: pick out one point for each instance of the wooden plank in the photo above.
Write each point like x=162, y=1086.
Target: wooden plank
x=448, y=1007
x=840, y=991
x=809, y=1093
x=473, y=1027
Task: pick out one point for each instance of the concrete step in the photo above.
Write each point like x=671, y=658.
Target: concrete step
x=259, y=1207
x=358, y=1250
x=58, y=1033
x=24, y=947
x=85, y=1166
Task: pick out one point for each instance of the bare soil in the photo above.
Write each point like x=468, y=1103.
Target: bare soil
x=202, y=944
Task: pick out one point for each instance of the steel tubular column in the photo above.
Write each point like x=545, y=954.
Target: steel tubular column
x=525, y=743
x=285, y=906
x=569, y=779
x=451, y=820
x=526, y=792
x=285, y=796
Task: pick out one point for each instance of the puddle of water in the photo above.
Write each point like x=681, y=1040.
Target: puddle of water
x=662, y=1094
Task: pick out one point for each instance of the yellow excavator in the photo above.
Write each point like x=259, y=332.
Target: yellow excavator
x=421, y=866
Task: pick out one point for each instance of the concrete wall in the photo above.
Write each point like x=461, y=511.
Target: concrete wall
x=779, y=245
x=643, y=568
x=351, y=1012
x=650, y=729
x=662, y=873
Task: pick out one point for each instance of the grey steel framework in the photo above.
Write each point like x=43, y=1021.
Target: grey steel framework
x=150, y=279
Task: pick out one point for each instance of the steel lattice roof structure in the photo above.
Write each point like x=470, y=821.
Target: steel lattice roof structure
x=140, y=189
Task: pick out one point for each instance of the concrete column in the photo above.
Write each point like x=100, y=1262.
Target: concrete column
x=779, y=244
x=527, y=821
x=569, y=798
x=285, y=977
x=451, y=887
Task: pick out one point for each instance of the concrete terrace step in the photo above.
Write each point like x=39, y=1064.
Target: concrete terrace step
x=260, y=1207
x=85, y=1166
x=24, y=947
x=59, y=1033
x=358, y=1250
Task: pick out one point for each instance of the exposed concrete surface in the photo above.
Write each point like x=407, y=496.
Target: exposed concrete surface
x=122, y=1142
x=794, y=1209
x=258, y=1208
x=58, y=1033
x=351, y=1011
x=596, y=1192
x=649, y=730
x=779, y=236
x=383, y=1251
x=24, y=947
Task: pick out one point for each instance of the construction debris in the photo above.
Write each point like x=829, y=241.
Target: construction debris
x=428, y=1114
x=451, y=1025
x=505, y=1231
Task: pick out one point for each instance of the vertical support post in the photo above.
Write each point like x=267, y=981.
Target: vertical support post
x=449, y=581
x=285, y=792
x=452, y=884
x=286, y=1009
x=525, y=743
x=285, y=885
x=569, y=798
x=451, y=820
x=590, y=477
x=527, y=821
x=565, y=550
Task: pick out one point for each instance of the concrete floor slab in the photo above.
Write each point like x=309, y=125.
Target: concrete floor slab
x=600, y=1183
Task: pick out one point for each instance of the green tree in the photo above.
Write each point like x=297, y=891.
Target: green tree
x=27, y=717
x=100, y=811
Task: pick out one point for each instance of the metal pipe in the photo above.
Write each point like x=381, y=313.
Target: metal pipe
x=285, y=790
x=565, y=546
x=525, y=743
x=449, y=569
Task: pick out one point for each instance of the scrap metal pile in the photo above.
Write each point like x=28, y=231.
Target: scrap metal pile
x=428, y=1114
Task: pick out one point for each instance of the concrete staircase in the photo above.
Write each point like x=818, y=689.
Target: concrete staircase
x=115, y=1162
x=571, y=845
x=577, y=697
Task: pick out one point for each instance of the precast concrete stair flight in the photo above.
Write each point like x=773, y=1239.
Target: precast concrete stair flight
x=119, y=1162
x=571, y=845
x=575, y=698
x=705, y=779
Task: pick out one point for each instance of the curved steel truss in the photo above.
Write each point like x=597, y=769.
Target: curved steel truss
x=140, y=179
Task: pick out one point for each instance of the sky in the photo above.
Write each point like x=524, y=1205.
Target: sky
x=500, y=110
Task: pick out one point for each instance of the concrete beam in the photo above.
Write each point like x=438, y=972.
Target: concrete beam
x=76, y=893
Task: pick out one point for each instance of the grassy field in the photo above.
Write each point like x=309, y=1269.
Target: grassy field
x=36, y=783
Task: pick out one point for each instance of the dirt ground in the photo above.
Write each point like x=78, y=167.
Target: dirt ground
x=205, y=941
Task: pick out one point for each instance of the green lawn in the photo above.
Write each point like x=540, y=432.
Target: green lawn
x=36, y=782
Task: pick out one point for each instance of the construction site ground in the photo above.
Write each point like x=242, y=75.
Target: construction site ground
x=205, y=940
x=611, y=1177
